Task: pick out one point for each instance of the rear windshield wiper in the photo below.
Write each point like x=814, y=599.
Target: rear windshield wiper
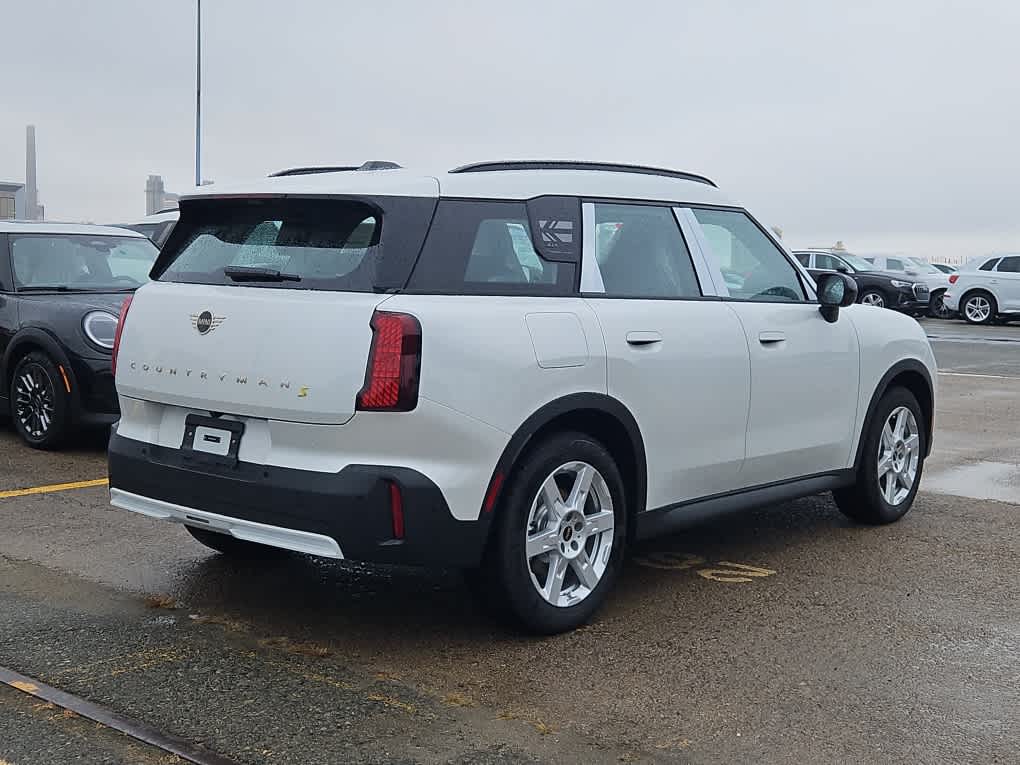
x=252, y=274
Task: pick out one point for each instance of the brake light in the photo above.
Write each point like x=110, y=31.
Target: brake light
x=124, y=308
x=953, y=278
x=394, y=364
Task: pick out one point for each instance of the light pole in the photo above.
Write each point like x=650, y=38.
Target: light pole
x=198, y=97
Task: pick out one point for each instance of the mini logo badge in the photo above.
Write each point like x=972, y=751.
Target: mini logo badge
x=205, y=322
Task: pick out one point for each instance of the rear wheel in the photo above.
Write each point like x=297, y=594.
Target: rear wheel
x=40, y=403
x=873, y=298
x=979, y=308
x=234, y=547
x=559, y=536
x=892, y=460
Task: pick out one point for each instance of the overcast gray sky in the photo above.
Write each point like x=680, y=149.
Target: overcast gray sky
x=891, y=125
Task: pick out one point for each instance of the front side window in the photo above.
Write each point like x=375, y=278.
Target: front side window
x=804, y=258
x=480, y=247
x=753, y=266
x=641, y=253
x=893, y=264
x=81, y=262
x=1010, y=264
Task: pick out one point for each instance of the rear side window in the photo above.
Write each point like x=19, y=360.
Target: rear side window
x=340, y=244
x=804, y=258
x=990, y=265
x=641, y=252
x=482, y=247
x=1010, y=265
x=894, y=264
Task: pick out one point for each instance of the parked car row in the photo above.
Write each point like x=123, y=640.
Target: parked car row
x=875, y=287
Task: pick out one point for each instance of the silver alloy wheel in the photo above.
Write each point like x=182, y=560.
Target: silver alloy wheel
x=33, y=400
x=873, y=298
x=899, y=452
x=977, y=308
x=570, y=534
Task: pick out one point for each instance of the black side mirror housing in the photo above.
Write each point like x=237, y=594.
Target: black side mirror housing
x=835, y=291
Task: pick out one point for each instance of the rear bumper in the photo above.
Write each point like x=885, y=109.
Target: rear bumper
x=339, y=515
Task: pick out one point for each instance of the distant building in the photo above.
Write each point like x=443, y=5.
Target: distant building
x=157, y=198
x=12, y=200
x=33, y=210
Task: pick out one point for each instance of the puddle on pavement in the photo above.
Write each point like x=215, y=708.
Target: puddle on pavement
x=999, y=481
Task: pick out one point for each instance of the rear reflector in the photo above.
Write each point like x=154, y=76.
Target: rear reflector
x=394, y=363
x=953, y=278
x=397, y=510
x=124, y=308
x=493, y=493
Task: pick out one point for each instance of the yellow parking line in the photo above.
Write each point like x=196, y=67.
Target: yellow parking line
x=53, y=487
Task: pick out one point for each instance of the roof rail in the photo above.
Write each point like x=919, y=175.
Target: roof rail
x=370, y=165
x=310, y=171
x=605, y=167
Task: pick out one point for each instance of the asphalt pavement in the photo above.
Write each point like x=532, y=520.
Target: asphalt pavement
x=783, y=635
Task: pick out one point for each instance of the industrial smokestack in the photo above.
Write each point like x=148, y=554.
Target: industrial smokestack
x=33, y=211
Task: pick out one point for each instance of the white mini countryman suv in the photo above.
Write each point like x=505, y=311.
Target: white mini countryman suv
x=515, y=368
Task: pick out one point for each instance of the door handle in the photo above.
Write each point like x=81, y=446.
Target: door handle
x=643, y=338
x=771, y=338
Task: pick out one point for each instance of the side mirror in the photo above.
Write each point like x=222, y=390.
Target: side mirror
x=842, y=269
x=835, y=291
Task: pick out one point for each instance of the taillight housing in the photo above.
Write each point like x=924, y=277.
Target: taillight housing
x=124, y=308
x=394, y=364
x=953, y=278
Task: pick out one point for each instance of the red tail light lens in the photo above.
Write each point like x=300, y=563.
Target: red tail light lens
x=394, y=363
x=953, y=278
x=125, y=307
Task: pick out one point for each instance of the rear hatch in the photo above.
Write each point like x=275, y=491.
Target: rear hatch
x=262, y=307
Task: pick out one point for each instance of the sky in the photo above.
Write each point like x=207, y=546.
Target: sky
x=893, y=126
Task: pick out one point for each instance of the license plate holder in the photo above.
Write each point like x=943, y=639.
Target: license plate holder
x=211, y=440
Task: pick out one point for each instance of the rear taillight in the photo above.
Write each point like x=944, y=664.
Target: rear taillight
x=125, y=307
x=394, y=362
x=953, y=278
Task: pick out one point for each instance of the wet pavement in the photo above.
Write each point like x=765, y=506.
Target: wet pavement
x=783, y=635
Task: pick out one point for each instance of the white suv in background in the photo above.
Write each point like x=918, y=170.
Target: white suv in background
x=517, y=368
x=986, y=289
x=935, y=279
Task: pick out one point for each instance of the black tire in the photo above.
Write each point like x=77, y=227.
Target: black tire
x=937, y=307
x=991, y=318
x=505, y=580
x=864, y=501
x=234, y=547
x=874, y=294
x=40, y=403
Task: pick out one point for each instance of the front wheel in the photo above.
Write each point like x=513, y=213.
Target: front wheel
x=937, y=307
x=559, y=537
x=40, y=402
x=979, y=308
x=892, y=460
x=873, y=298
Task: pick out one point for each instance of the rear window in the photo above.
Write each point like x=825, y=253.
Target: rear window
x=482, y=247
x=340, y=244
